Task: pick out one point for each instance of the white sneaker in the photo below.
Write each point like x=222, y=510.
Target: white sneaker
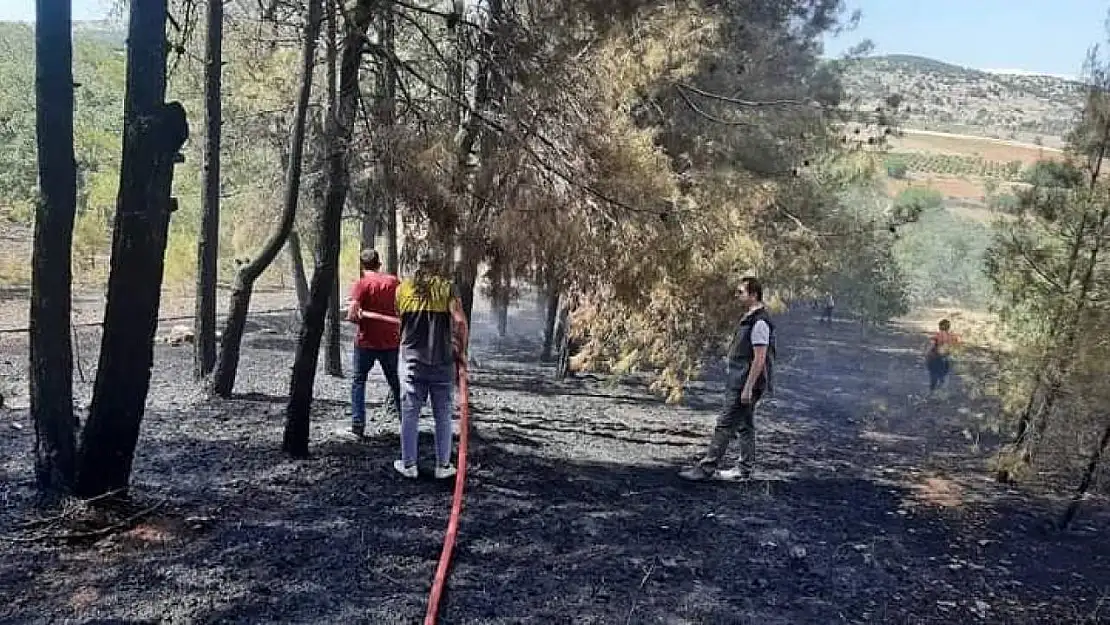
x=445, y=471
x=735, y=474
x=410, y=471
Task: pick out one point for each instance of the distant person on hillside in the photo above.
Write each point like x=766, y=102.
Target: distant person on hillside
x=750, y=373
x=827, y=308
x=938, y=354
x=433, y=348
x=372, y=306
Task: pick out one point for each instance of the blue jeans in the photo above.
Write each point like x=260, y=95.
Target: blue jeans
x=420, y=383
x=364, y=360
x=938, y=371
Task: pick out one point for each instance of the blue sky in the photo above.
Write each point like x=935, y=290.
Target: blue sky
x=24, y=10
x=1049, y=36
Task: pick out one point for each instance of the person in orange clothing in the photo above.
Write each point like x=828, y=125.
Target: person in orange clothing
x=938, y=354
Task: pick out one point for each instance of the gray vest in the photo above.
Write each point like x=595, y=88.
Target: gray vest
x=742, y=352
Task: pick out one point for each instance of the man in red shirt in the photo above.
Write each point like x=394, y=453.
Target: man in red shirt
x=373, y=306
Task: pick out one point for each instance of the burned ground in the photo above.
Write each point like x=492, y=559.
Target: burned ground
x=871, y=506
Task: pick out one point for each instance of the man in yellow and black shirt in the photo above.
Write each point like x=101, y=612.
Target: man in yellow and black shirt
x=431, y=317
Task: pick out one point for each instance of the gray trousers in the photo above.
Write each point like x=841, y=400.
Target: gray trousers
x=735, y=420
x=420, y=383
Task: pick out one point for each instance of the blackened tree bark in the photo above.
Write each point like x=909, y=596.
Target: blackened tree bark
x=466, y=276
x=500, y=288
x=563, y=339
x=470, y=230
x=208, y=244
x=1088, y=478
x=392, y=256
x=51, y=355
x=333, y=361
x=368, y=232
x=502, y=319
x=223, y=380
x=386, y=205
x=295, y=440
x=154, y=132
x=363, y=201
x=296, y=262
x=551, y=317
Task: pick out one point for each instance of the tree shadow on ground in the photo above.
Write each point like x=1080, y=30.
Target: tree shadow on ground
x=574, y=514
x=619, y=542
x=504, y=380
x=317, y=403
x=251, y=536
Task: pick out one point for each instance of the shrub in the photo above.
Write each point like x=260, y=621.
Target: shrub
x=897, y=169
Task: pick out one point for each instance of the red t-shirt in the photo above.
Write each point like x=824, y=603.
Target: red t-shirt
x=377, y=292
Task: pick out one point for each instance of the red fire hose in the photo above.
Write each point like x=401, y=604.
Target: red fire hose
x=456, y=505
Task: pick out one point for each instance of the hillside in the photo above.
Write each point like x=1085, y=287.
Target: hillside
x=943, y=97
x=104, y=31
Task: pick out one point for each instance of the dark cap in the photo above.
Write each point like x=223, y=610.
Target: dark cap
x=369, y=259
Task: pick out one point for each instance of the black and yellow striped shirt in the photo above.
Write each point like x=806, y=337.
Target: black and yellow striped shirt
x=425, y=311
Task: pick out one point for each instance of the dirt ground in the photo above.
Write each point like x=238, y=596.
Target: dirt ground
x=966, y=145
x=871, y=506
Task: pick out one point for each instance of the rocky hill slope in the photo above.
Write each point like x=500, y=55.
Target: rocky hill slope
x=943, y=97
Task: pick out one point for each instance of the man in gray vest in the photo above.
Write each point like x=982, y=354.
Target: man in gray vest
x=750, y=368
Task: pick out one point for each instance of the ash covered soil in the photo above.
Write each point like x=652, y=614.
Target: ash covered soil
x=871, y=506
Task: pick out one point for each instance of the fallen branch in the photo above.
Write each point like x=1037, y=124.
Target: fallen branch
x=61, y=517
x=97, y=533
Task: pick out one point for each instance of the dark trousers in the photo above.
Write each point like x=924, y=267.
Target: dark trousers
x=364, y=360
x=826, y=314
x=736, y=420
x=938, y=371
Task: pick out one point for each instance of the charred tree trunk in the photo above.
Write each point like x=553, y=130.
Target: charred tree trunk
x=502, y=319
x=154, y=132
x=487, y=90
x=500, y=285
x=333, y=332
x=466, y=277
x=364, y=202
x=562, y=339
x=296, y=265
x=51, y=352
x=368, y=229
x=387, y=119
x=456, y=70
x=392, y=254
x=551, y=318
x=1088, y=477
x=333, y=360
x=208, y=244
x=295, y=440
x=223, y=380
